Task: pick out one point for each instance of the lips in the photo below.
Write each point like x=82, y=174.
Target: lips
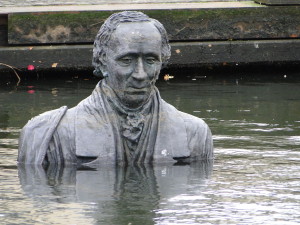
x=136, y=91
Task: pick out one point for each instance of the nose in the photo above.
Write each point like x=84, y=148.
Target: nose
x=139, y=70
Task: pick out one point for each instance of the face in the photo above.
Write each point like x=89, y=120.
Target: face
x=133, y=62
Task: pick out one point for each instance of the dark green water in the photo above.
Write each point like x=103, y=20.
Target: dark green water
x=255, y=178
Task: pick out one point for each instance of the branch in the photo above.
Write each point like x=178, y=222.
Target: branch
x=14, y=69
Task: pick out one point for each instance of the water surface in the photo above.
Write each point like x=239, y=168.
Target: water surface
x=255, y=178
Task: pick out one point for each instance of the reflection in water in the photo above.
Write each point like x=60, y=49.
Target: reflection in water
x=136, y=195
x=119, y=195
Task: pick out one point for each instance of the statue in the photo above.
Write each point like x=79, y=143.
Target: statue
x=124, y=120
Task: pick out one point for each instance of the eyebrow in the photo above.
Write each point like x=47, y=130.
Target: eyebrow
x=153, y=54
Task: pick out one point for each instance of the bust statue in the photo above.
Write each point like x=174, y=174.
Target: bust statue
x=124, y=120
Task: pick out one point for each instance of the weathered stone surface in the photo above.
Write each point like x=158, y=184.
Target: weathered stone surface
x=95, y=2
x=64, y=7
x=45, y=57
x=181, y=24
x=3, y=30
x=54, y=27
x=207, y=35
x=279, y=2
x=236, y=52
x=187, y=54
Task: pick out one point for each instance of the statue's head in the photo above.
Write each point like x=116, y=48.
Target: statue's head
x=130, y=50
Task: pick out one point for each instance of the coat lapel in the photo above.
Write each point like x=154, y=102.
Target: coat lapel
x=94, y=128
x=98, y=135
x=171, y=141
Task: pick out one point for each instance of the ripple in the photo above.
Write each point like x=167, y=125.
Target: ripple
x=273, y=129
x=228, y=137
x=9, y=141
x=10, y=130
x=255, y=124
x=295, y=139
x=186, y=197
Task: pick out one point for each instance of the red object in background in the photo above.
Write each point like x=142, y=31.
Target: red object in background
x=30, y=67
x=31, y=91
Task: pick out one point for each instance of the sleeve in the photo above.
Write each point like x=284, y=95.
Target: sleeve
x=36, y=135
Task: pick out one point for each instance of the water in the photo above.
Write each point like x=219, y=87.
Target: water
x=255, y=178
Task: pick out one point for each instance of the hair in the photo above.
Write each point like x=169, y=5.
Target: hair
x=110, y=25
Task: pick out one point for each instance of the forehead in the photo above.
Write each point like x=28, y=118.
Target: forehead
x=135, y=34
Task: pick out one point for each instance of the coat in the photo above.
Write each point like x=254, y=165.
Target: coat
x=89, y=134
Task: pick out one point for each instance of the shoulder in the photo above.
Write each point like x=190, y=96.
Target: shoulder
x=193, y=123
x=199, y=137
x=190, y=121
x=36, y=135
x=49, y=117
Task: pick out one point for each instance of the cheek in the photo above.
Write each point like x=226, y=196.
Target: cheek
x=120, y=72
x=153, y=71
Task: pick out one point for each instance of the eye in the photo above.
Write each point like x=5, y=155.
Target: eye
x=150, y=60
x=126, y=60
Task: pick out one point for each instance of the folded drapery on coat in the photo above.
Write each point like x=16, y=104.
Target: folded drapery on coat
x=90, y=133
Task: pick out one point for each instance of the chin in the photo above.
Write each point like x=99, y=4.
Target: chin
x=135, y=101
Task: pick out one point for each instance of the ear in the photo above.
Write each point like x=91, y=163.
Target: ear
x=103, y=58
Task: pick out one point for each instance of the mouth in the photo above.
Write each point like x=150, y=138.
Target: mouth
x=137, y=91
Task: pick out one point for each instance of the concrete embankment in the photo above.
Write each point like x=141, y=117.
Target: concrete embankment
x=201, y=34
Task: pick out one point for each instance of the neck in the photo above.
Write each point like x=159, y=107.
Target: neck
x=120, y=107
